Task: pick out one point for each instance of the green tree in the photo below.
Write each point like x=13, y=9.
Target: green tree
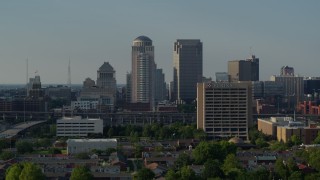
x=5, y=155
x=231, y=166
x=137, y=150
x=144, y=174
x=14, y=171
x=31, y=172
x=211, y=150
x=281, y=169
x=186, y=173
x=200, y=134
x=83, y=155
x=261, y=143
x=24, y=171
x=81, y=173
x=314, y=158
x=171, y=175
x=212, y=169
x=295, y=140
x=24, y=147
x=317, y=140
x=296, y=176
x=54, y=151
x=260, y=174
x=278, y=146
x=183, y=160
x=110, y=132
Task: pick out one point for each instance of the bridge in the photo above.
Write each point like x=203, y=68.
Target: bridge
x=14, y=131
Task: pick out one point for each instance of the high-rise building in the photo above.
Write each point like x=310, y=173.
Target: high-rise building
x=106, y=78
x=187, y=68
x=143, y=71
x=104, y=92
x=287, y=71
x=160, y=86
x=244, y=70
x=128, y=88
x=293, y=89
x=224, y=110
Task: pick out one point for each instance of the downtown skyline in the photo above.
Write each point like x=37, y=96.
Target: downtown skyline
x=90, y=33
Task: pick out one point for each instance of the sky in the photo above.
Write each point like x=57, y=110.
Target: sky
x=89, y=32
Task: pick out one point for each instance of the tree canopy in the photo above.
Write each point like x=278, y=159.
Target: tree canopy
x=81, y=173
x=24, y=171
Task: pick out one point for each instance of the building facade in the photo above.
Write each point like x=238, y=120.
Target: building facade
x=293, y=89
x=187, y=68
x=143, y=71
x=244, y=70
x=76, y=126
x=75, y=146
x=224, y=110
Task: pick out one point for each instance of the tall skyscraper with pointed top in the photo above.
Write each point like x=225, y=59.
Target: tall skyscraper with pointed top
x=187, y=69
x=143, y=71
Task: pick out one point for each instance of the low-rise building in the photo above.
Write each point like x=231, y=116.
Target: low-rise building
x=76, y=126
x=87, y=145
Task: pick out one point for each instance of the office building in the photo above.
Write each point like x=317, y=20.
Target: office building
x=106, y=78
x=283, y=128
x=224, y=110
x=104, y=92
x=287, y=71
x=244, y=70
x=222, y=77
x=143, y=71
x=160, y=86
x=76, y=126
x=293, y=89
x=187, y=69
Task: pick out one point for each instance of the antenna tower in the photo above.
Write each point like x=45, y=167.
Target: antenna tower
x=69, y=74
x=27, y=73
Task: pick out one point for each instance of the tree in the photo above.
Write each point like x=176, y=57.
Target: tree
x=212, y=150
x=110, y=132
x=296, y=176
x=83, y=155
x=24, y=147
x=186, y=173
x=295, y=140
x=144, y=174
x=261, y=174
x=81, y=173
x=14, y=171
x=281, y=169
x=317, y=140
x=5, y=155
x=24, y=171
x=212, y=169
x=54, y=151
x=183, y=160
x=231, y=166
x=261, y=143
x=31, y=172
x=314, y=158
x=171, y=175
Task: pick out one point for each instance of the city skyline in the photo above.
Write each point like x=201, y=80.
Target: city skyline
x=90, y=33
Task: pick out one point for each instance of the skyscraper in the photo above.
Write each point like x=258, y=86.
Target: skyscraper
x=187, y=68
x=244, y=70
x=106, y=78
x=143, y=71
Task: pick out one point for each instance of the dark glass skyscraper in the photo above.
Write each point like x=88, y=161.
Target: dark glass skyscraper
x=187, y=68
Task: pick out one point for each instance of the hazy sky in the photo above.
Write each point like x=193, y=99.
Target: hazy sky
x=48, y=32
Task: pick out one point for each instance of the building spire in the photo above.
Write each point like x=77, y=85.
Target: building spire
x=69, y=74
